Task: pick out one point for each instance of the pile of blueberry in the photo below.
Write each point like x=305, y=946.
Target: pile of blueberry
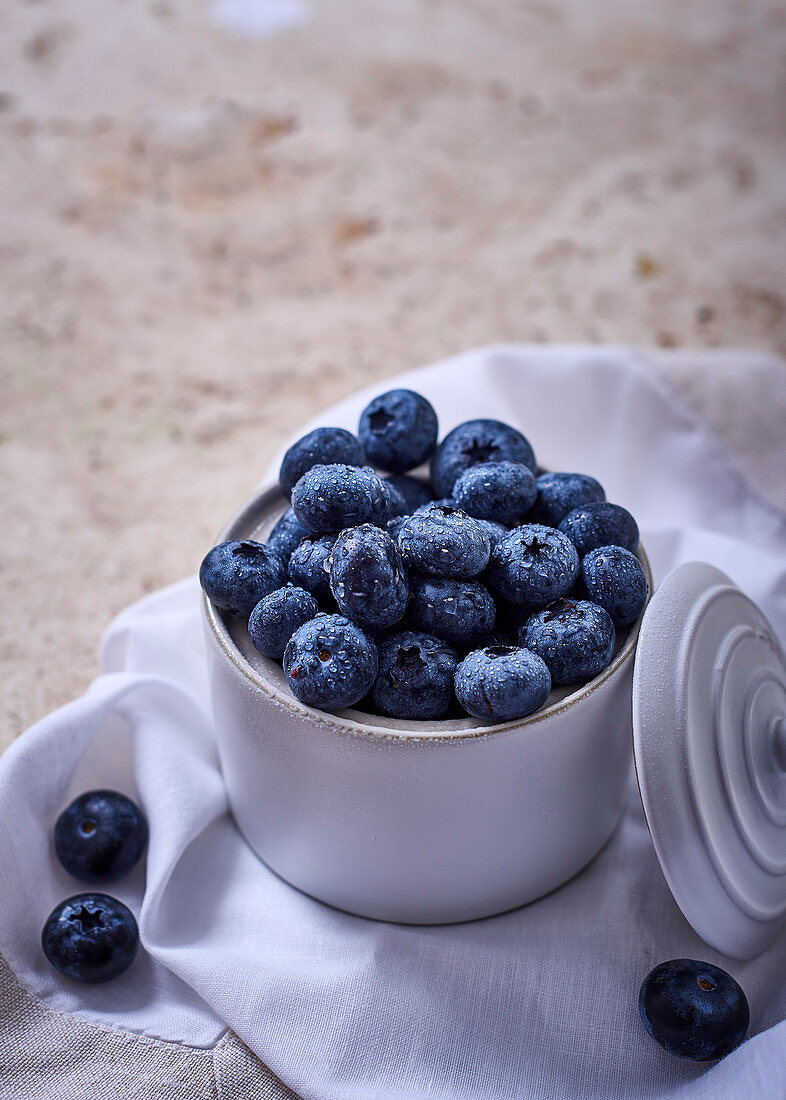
x=474, y=591
x=99, y=838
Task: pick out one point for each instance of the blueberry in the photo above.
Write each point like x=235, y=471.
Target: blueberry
x=499, y=491
x=574, y=637
x=415, y=678
x=694, y=1009
x=286, y=535
x=458, y=611
x=322, y=447
x=559, y=494
x=534, y=564
x=237, y=574
x=615, y=579
x=327, y=499
x=444, y=542
x=502, y=682
x=443, y=502
x=367, y=576
x=393, y=526
x=309, y=564
x=601, y=524
x=398, y=430
x=414, y=491
x=100, y=836
x=473, y=442
x=90, y=937
x=495, y=531
x=276, y=618
x=395, y=499
x=330, y=663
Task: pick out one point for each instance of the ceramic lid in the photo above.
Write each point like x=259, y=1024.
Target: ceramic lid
x=709, y=736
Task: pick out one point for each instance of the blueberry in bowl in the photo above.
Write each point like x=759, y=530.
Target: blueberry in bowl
x=398, y=430
x=475, y=442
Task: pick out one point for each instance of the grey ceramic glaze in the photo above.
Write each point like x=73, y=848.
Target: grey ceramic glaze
x=421, y=822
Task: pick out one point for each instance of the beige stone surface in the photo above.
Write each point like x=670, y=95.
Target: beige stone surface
x=206, y=237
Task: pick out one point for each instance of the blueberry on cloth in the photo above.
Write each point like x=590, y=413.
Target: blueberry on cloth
x=327, y=499
x=457, y=611
x=534, y=564
x=574, y=637
x=473, y=442
x=601, y=524
x=694, y=1009
x=615, y=579
x=286, y=535
x=309, y=564
x=415, y=678
x=499, y=491
x=330, y=663
x=444, y=542
x=322, y=447
x=367, y=576
x=502, y=682
x=237, y=574
x=90, y=937
x=414, y=490
x=100, y=836
x=398, y=430
x=559, y=494
x=276, y=618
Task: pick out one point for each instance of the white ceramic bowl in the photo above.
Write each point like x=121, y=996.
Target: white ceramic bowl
x=421, y=822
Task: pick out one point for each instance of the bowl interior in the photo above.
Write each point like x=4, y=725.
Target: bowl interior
x=255, y=520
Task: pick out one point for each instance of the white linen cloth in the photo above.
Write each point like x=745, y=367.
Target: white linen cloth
x=538, y=1003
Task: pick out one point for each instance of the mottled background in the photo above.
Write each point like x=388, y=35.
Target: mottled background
x=208, y=233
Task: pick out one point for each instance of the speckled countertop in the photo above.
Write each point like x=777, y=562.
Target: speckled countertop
x=207, y=234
